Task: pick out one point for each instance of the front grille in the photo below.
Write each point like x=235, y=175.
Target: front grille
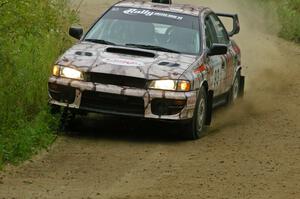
x=117, y=80
x=112, y=103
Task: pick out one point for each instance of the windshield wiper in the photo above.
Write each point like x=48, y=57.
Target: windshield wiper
x=100, y=41
x=150, y=47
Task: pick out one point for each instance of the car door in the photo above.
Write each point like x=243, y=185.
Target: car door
x=215, y=63
x=228, y=64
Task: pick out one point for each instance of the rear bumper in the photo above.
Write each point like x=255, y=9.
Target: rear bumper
x=111, y=99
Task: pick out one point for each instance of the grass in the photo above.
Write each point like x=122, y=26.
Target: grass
x=288, y=17
x=31, y=40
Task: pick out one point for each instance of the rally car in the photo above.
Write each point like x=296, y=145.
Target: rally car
x=153, y=60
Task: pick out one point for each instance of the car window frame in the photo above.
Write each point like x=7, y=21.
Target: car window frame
x=210, y=30
x=225, y=33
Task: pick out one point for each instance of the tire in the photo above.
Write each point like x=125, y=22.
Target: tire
x=234, y=92
x=67, y=117
x=195, y=128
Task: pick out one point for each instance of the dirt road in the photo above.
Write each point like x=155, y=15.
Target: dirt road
x=251, y=150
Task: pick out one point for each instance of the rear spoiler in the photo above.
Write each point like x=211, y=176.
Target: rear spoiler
x=236, y=23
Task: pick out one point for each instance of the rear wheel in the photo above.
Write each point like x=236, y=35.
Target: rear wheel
x=234, y=92
x=194, y=129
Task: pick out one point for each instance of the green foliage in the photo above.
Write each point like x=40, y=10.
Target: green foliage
x=33, y=34
x=289, y=16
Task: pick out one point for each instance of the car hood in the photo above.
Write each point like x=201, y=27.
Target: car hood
x=91, y=57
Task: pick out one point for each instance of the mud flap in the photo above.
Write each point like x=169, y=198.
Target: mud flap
x=242, y=86
x=210, y=98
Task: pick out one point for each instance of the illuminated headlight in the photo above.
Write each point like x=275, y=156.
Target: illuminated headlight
x=67, y=72
x=71, y=73
x=170, y=85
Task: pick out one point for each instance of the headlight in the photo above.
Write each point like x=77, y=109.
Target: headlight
x=170, y=85
x=67, y=72
x=163, y=84
x=71, y=73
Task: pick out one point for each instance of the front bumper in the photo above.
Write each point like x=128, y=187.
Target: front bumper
x=111, y=99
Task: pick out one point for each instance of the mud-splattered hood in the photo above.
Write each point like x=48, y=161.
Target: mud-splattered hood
x=91, y=57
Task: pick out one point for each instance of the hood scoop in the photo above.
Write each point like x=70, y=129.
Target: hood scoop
x=81, y=53
x=168, y=64
x=130, y=52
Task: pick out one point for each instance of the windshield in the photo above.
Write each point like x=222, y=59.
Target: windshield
x=147, y=29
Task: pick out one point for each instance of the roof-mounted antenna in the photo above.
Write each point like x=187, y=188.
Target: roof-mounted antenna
x=162, y=1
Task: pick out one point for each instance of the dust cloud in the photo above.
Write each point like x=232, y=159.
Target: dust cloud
x=271, y=65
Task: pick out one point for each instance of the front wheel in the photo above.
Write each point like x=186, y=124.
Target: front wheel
x=194, y=129
x=66, y=119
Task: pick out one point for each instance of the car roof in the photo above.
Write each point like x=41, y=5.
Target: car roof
x=176, y=8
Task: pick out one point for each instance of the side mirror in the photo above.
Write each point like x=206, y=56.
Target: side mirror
x=76, y=32
x=217, y=49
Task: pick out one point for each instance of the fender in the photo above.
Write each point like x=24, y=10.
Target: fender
x=239, y=68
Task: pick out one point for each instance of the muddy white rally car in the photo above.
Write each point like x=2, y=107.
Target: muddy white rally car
x=151, y=59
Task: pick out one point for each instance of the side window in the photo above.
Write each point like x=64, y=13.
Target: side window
x=220, y=31
x=210, y=34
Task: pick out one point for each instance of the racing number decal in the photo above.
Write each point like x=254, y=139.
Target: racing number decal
x=217, y=72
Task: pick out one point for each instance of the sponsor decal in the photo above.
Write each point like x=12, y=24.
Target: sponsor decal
x=149, y=13
x=200, y=69
x=123, y=62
